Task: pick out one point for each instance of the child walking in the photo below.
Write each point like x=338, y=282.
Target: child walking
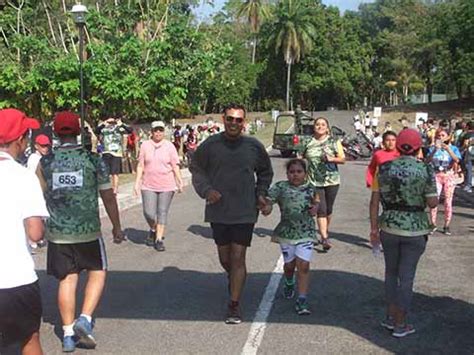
x=296, y=232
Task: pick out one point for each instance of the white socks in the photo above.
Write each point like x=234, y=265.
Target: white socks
x=89, y=318
x=68, y=330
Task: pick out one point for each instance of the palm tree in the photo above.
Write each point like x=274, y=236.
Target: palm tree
x=255, y=11
x=293, y=34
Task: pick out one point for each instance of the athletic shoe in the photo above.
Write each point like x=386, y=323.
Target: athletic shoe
x=326, y=244
x=150, y=240
x=467, y=189
x=69, y=344
x=83, y=329
x=302, y=307
x=159, y=245
x=446, y=231
x=433, y=230
x=233, y=314
x=289, y=289
x=403, y=331
x=388, y=323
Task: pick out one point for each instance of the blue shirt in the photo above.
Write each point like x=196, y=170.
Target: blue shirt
x=442, y=161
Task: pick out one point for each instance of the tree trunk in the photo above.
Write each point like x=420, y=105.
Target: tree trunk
x=288, y=76
x=429, y=89
x=254, y=49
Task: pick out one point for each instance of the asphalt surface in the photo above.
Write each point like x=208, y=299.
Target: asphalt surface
x=174, y=302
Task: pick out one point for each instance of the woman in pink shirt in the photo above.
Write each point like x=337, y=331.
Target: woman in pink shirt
x=388, y=153
x=158, y=177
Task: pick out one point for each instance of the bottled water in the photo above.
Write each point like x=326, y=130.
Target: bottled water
x=377, y=251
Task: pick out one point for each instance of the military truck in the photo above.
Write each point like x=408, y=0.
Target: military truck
x=292, y=131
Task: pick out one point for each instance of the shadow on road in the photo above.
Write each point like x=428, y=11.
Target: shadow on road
x=136, y=236
x=203, y=231
x=339, y=299
x=351, y=239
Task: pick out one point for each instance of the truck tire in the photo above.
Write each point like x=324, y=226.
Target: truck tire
x=286, y=153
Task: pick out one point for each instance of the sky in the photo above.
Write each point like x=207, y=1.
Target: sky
x=206, y=10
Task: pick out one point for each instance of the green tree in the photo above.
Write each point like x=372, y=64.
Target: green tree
x=255, y=11
x=293, y=33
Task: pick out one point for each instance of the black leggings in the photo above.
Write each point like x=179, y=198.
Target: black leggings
x=327, y=197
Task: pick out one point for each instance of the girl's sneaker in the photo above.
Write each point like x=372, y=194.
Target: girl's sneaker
x=403, y=330
x=388, y=323
x=302, y=307
x=288, y=290
x=326, y=244
x=289, y=287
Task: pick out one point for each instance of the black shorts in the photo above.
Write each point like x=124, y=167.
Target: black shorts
x=327, y=197
x=20, y=313
x=65, y=259
x=224, y=234
x=113, y=163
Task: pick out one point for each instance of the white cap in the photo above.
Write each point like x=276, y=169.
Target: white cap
x=156, y=124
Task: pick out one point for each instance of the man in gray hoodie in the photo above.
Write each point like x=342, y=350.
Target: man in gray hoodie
x=233, y=173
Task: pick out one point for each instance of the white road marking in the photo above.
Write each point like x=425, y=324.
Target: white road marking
x=259, y=323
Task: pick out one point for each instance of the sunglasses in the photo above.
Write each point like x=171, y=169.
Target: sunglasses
x=231, y=119
x=160, y=129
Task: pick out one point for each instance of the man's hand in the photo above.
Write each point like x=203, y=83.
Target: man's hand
x=213, y=197
x=374, y=237
x=264, y=205
x=118, y=235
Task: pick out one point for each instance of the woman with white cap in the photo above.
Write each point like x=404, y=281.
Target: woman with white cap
x=158, y=177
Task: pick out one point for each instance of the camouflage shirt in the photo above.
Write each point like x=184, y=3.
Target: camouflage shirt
x=296, y=224
x=404, y=184
x=321, y=173
x=112, y=138
x=73, y=177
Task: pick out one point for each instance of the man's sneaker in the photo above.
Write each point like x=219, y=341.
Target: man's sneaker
x=467, y=189
x=233, y=314
x=446, y=231
x=388, y=323
x=150, y=240
x=433, y=230
x=159, y=245
x=302, y=307
x=289, y=289
x=69, y=344
x=83, y=329
x=403, y=331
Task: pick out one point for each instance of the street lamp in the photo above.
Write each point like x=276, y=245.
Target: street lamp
x=79, y=13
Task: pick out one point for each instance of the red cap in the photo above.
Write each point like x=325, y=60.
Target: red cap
x=66, y=122
x=42, y=139
x=13, y=124
x=408, y=141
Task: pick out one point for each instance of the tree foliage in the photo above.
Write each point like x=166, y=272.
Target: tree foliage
x=153, y=58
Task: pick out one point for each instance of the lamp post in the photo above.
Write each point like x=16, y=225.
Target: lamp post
x=79, y=13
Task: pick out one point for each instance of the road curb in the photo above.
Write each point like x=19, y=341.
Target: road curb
x=128, y=200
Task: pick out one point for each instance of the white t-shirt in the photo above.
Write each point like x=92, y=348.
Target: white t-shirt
x=21, y=198
x=375, y=121
x=357, y=125
x=33, y=161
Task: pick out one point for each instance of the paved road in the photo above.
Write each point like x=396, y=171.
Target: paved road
x=174, y=302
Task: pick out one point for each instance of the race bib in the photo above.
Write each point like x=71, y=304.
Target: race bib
x=67, y=179
x=114, y=147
